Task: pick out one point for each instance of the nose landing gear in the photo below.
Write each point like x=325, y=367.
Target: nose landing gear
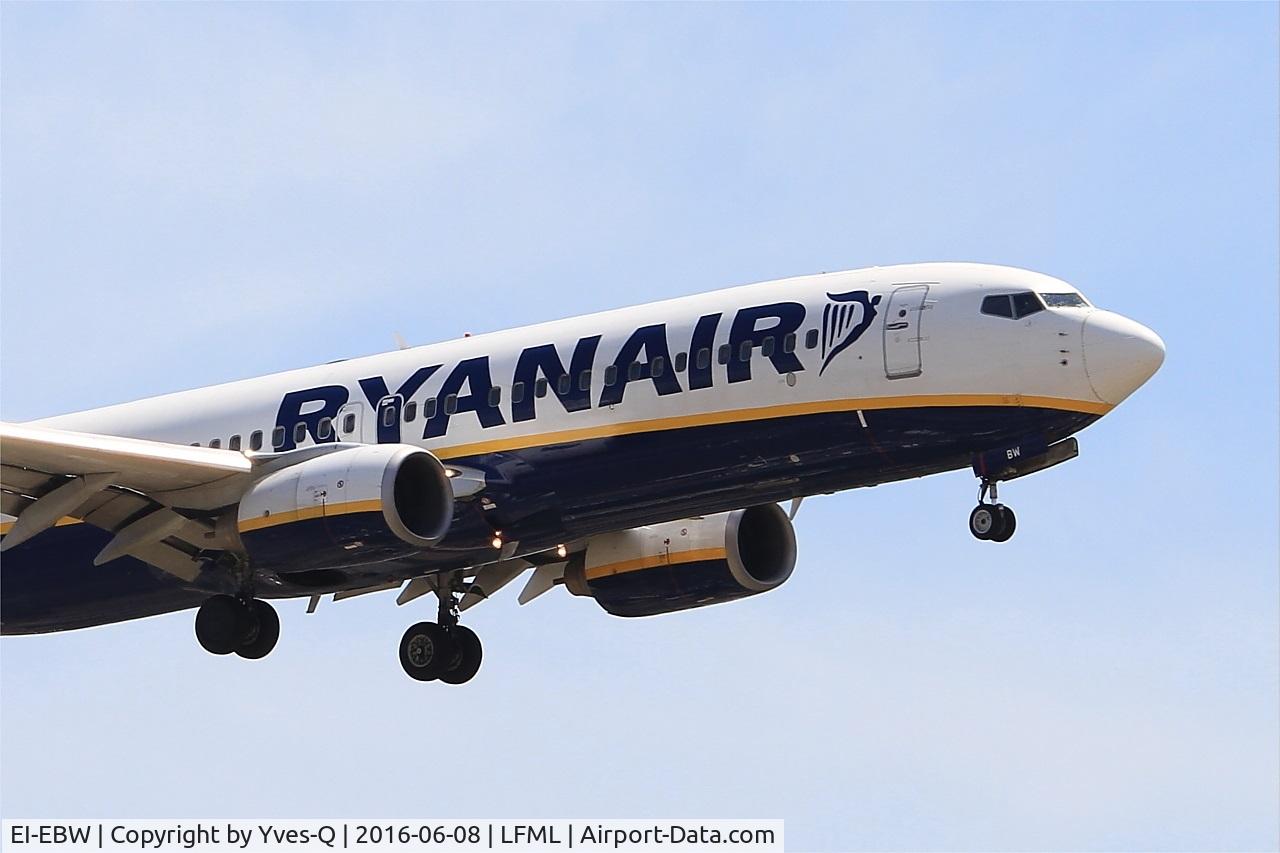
x=443, y=650
x=992, y=521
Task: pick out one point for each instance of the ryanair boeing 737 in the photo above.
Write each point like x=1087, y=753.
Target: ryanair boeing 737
x=635, y=457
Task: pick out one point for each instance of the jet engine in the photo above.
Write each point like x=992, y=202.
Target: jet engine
x=362, y=504
x=690, y=563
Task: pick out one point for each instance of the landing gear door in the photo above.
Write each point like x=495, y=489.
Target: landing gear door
x=351, y=423
x=902, y=331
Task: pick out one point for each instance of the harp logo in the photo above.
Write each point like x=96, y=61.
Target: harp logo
x=844, y=319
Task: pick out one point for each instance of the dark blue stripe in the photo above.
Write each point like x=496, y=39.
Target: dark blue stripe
x=547, y=495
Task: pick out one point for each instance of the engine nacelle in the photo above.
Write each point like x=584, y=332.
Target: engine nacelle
x=690, y=563
x=357, y=505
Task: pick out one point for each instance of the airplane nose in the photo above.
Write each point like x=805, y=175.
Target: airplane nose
x=1119, y=355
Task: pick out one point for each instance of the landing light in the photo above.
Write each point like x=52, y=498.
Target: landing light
x=562, y=551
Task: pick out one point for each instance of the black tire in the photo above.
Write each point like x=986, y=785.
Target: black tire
x=263, y=632
x=467, y=655
x=1008, y=524
x=425, y=650
x=220, y=624
x=983, y=521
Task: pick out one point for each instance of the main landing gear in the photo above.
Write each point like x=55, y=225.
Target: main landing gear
x=993, y=521
x=443, y=650
x=247, y=626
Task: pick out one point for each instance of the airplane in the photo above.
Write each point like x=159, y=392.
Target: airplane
x=637, y=457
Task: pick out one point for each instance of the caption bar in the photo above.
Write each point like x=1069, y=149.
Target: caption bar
x=387, y=836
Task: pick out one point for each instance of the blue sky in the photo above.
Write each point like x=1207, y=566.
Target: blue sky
x=197, y=193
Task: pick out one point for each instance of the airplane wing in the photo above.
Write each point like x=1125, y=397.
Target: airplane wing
x=129, y=487
x=153, y=496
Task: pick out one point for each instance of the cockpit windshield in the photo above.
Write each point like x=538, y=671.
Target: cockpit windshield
x=1014, y=306
x=1064, y=300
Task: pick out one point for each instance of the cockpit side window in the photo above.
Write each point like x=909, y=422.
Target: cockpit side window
x=1026, y=303
x=997, y=306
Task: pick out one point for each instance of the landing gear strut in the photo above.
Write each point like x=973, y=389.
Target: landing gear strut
x=992, y=521
x=443, y=650
x=247, y=626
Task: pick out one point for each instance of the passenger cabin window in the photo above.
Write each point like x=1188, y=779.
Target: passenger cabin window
x=682, y=361
x=811, y=339
x=540, y=388
x=723, y=355
x=495, y=396
x=704, y=359
x=255, y=440
x=789, y=343
x=410, y=412
x=1064, y=300
x=658, y=366
x=766, y=348
x=299, y=433
x=348, y=424
x=563, y=384
x=324, y=429
x=277, y=437
x=234, y=443
x=217, y=442
x=517, y=392
x=451, y=404
x=429, y=408
x=611, y=375
x=584, y=380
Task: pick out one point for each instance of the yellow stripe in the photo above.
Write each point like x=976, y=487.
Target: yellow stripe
x=317, y=511
x=655, y=560
x=706, y=419
x=765, y=412
x=65, y=520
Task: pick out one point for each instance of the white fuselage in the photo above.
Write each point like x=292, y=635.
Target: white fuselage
x=558, y=434
x=949, y=354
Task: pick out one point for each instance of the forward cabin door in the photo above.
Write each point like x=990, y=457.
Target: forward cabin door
x=387, y=419
x=902, y=331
